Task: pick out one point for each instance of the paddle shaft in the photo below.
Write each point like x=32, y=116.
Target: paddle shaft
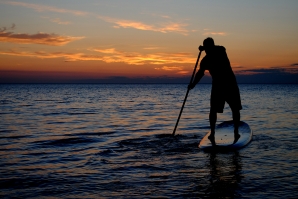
x=193, y=74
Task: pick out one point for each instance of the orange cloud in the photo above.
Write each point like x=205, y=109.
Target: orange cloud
x=108, y=50
x=164, y=28
x=112, y=55
x=158, y=15
x=184, y=72
x=179, y=69
x=45, y=55
x=39, y=38
x=209, y=32
x=169, y=68
x=246, y=72
x=151, y=48
x=41, y=8
x=135, y=58
x=59, y=21
x=215, y=33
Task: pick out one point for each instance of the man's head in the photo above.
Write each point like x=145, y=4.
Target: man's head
x=208, y=44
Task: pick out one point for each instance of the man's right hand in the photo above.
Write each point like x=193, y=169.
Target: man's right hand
x=201, y=48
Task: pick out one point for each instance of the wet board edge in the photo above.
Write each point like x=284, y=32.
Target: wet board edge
x=231, y=147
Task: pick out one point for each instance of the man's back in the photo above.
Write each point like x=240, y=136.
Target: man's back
x=218, y=65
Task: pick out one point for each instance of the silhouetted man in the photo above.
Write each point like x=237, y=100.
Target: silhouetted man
x=224, y=85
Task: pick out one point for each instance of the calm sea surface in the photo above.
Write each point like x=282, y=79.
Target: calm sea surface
x=114, y=141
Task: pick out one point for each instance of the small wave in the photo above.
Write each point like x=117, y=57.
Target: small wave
x=184, y=148
x=66, y=141
x=158, y=144
x=34, y=182
x=7, y=131
x=130, y=142
x=106, y=152
x=6, y=101
x=82, y=113
x=164, y=136
x=14, y=136
x=46, y=100
x=94, y=133
x=262, y=137
x=53, y=113
x=68, y=113
x=25, y=105
x=142, y=130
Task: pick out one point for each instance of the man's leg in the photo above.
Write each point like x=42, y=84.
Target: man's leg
x=236, y=120
x=212, y=120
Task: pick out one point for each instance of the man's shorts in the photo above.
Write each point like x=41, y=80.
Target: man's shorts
x=221, y=94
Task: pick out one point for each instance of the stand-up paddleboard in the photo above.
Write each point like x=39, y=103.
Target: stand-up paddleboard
x=224, y=137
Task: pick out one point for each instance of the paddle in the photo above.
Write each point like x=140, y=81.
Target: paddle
x=193, y=74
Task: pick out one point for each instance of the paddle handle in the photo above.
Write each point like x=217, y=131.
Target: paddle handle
x=191, y=80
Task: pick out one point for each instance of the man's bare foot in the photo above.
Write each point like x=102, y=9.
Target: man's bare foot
x=236, y=137
x=211, y=137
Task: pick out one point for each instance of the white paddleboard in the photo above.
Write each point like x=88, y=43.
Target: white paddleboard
x=224, y=137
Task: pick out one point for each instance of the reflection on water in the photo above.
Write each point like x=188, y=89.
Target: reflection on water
x=114, y=141
x=225, y=175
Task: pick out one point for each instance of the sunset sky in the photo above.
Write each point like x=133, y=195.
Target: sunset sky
x=77, y=41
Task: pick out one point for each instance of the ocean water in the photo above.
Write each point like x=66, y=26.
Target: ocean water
x=114, y=141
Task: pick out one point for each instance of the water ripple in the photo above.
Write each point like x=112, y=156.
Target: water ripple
x=114, y=141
